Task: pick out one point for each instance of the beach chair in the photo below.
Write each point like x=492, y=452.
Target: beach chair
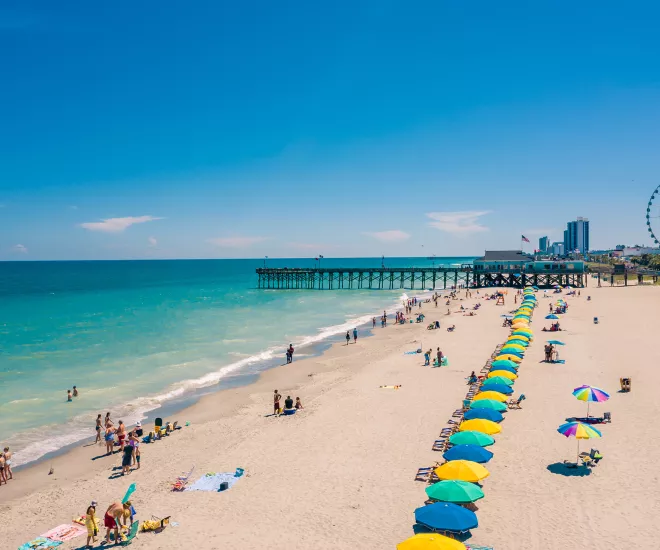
x=182, y=480
x=440, y=444
x=132, y=533
x=607, y=417
x=592, y=458
x=160, y=432
x=625, y=384
x=511, y=404
x=595, y=320
x=424, y=474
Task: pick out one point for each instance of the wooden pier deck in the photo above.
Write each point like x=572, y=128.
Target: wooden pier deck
x=411, y=278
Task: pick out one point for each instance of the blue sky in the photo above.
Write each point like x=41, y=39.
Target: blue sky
x=242, y=129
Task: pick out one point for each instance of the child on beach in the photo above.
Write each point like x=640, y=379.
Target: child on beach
x=298, y=403
x=98, y=429
x=348, y=338
x=92, y=524
x=68, y=396
x=427, y=358
x=2, y=469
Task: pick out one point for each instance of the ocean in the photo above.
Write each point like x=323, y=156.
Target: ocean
x=136, y=336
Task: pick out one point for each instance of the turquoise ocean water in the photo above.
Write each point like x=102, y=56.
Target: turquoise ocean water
x=134, y=336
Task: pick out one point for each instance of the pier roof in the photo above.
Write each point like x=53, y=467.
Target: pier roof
x=505, y=256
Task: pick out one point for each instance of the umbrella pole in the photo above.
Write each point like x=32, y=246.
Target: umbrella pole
x=588, y=403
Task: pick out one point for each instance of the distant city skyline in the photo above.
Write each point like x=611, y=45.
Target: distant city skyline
x=345, y=131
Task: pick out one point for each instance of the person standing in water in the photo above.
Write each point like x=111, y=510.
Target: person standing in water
x=68, y=396
x=75, y=391
x=355, y=335
x=289, y=354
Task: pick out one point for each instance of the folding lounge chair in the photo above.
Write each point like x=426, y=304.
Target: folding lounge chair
x=424, y=474
x=511, y=404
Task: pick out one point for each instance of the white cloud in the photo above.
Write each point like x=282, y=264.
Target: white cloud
x=391, y=236
x=153, y=241
x=117, y=225
x=19, y=249
x=462, y=223
x=236, y=242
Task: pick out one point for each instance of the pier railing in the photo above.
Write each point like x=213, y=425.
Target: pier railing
x=412, y=278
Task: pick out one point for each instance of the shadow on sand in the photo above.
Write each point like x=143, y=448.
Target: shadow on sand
x=569, y=469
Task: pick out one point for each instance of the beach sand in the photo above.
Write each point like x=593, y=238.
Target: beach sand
x=340, y=474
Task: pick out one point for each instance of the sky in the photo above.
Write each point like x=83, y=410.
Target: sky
x=216, y=129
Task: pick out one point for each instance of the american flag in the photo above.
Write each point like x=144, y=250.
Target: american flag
x=525, y=239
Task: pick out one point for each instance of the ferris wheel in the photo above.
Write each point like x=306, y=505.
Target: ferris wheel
x=653, y=213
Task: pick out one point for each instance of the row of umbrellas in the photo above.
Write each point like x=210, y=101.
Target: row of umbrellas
x=463, y=470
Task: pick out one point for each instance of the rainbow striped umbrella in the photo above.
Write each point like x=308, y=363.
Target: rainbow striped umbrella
x=589, y=393
x=579, y=430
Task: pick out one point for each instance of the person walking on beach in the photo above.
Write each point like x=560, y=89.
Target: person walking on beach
x=289, y=354
x=8, y=473
x=276, y=402
x=355, y=335
x=107, y=421
x=126, y=459
x=427, y=358
x=439, y=355
x=373, y=323
x=98, y=429
x=3, y=478
x=348, y=338
x=109, y=439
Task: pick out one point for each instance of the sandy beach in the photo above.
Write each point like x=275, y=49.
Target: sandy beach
x=340, y=474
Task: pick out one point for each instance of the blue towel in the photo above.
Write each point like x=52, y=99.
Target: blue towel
x=39, y=544
x=212, y=482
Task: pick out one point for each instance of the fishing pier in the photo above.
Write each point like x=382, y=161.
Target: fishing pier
x=416, y=278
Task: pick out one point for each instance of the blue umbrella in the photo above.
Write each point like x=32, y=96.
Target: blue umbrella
x=475, y=453
x=483, y=414
x=506, y=390
x=553, y=316
x=522, y=343
x=509, y=369
x=514, y=351
x=445, y=516
x=556, y=343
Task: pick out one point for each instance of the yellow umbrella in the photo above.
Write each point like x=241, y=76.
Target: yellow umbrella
x=487, y=427
x=505, y=373
x=515, y=346
x=463, y=470
x=524, y=310
x=518, y=337
x=430, y=541
x=520, y=324
x=497, y=396
x=508, y=356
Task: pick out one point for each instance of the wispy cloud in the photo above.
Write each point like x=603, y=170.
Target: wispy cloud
x=236, y=242
x=19, y=249
x=153, y=241
x=117, y=225
x=460, y=223
x=391, y=236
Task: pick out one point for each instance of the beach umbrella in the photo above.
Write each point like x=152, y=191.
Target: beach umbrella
x=471, y=437
x=520, y=324
x=512, y=351
x=473, y=453
x=556, y=343
x=465, y=470
x=513, y=370
x=494, y=395
x=499, y=380
x=430, y=541
x=504, y=363
x=480, y=425
x=455, y=490
x=499, y=388
x=489, y=404
x=518, y=341
x=484, y=414
x=503, y=373
x=589, y=394
x=446, y=516
x=535, y=287
x=578, y=430
x=524, y=331
x=513, y=346
x=551, y=316
x=508, y=357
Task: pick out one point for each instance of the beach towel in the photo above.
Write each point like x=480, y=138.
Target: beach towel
x=211, y=482
x=40, y=543
x=410, y=352
x=65, y=532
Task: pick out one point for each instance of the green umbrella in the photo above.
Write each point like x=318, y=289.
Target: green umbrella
x=519, y=342
x=454, y=490
x=499, y=380
x=503, y=363
x=490, y=404
x=470, y=437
